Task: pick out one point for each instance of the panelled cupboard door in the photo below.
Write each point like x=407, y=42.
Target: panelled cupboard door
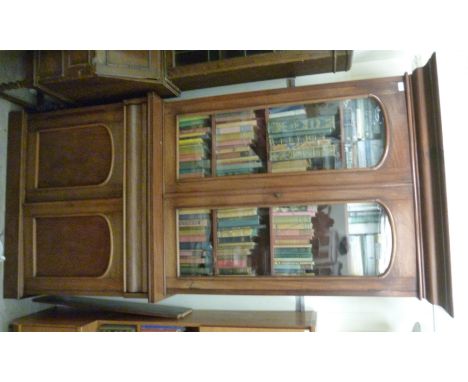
x=75, y=154
x=77, y=212
x=74, y=247
x=73, y=215
x=342, y=134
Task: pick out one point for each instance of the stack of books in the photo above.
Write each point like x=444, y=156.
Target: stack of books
x=195, y=249
x=236, y=136
x=194, y=146
x=238, y=230
x=299, y=142
x=292, y=244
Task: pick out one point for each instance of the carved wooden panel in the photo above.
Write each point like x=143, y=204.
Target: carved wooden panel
x=49, y=64
x=77, y=156
x=78, y=57
x=136, y=58
x=72, y=246
x=130, y=64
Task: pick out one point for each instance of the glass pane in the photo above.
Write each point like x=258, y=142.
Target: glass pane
x=195, y=244
x=369, y=240
x=240, y=142
x=241, y=241
x=190, y=57
x=352, y=239
x=331, y=240
x=313, y=136
x=194, y=146
x=364, y=133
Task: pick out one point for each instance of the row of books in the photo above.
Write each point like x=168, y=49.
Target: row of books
x=236, y=136
x=238, y=231
x=293, y=234
x=195, y=249
x=143, y=328
x=194, y=146
x=299, y=142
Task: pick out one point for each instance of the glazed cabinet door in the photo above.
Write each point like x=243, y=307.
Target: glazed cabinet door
x=79, y=222
x=341, y=242
x=317, y=136
x=314, y=190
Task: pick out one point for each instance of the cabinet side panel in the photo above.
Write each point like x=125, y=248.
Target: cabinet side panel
x=16, y=155
x=434, y=220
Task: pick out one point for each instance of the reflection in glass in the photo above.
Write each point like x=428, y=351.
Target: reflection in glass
x=351, y=240
x=364, y=133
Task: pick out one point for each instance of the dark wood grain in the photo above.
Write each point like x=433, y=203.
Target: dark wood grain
x=430, y=159
x=83, y=77
x=74, y=157
x=280, y=64
x=75, y=246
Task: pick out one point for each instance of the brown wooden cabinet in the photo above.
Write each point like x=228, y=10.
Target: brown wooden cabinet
x=316, y=190
x=197, y=69
x=83, y=76
x=48, y=80
x=249, y=180
x=77, y=200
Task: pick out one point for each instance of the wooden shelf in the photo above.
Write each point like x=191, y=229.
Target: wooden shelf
x=66, y=319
